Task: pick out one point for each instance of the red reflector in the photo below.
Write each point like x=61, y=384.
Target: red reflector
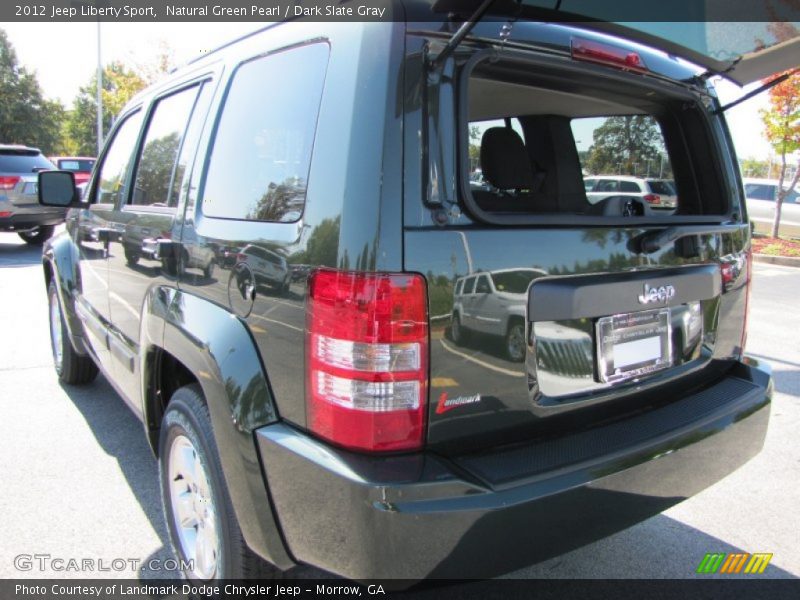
x=367, y=359
x=606, y=54
x=7, y=182
x=652, y=199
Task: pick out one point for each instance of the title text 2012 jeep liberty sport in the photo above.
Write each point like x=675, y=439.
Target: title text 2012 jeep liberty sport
x=340, y=418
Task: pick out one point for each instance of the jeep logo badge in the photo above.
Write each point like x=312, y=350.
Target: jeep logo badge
x=651, y=295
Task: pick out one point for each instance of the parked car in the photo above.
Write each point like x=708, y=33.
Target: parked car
x=761, y=195
x=657, y=195
x=19, y=209
x=80, y=165
x=268, y=267
x=339, y=427
x=494, y=303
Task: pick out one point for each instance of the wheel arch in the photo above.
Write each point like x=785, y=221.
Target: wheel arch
x=187, y=339
x=60, y=266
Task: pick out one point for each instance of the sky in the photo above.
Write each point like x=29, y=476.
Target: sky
x=64, y=57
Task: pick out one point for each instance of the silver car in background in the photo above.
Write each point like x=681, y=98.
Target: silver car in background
x=760, y=195
x=19, y=203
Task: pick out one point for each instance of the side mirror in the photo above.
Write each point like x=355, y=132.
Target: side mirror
x=57, y=188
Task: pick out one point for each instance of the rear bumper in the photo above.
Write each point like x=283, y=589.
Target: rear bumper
x=419, y=516
x=29, y=216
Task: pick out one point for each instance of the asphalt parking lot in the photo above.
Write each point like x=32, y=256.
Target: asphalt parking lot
x=78, y=480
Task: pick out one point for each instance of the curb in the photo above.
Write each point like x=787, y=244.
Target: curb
x=786, y=261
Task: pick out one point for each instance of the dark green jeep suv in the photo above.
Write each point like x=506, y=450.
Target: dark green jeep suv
x=370, y=417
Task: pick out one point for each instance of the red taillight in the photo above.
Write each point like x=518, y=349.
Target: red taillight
x=367, y=359
x=5, y=213
x=652, y=199
x=241, y=257
x=7, y=182
x=606, y=54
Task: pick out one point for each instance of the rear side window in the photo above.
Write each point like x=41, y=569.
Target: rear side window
x=160, y=149
x=469, y=285
x=482, y=287
x=661, y=187
x=261, y=154
x=459, y=287
x=114, y=170
x=23, y=163
x=629, y=186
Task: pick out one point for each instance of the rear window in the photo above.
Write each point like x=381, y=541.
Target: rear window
x=23, y=163
x=661, y=187
x=75, y=165
x=550, y=143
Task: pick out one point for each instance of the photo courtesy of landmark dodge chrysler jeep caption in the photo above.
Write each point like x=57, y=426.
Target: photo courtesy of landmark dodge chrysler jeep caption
x=348, y=276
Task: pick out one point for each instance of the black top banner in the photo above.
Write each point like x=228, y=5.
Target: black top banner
x=148, y=11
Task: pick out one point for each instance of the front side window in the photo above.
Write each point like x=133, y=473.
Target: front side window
x=160, y=149
x=117, y=160
x=261, y=155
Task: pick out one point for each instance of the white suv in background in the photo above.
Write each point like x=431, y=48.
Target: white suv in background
x=658, y=196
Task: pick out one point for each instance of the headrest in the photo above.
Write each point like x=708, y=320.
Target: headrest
x=504, y=161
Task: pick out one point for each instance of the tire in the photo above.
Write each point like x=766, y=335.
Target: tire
x=193, y=492
x=71, y=367
x=131, y=256
x=38, y=235
x=515, y=341
x=457, y=331
x=208, y=272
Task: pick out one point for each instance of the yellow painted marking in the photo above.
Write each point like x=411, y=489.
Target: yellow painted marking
x=257, y=329
x=442, y=382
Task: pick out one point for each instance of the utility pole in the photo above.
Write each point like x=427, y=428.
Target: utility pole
x=99, y=94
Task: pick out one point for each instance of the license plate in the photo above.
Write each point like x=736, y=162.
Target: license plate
x=633, y=344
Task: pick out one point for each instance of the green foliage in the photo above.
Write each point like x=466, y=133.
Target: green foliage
x=120, y=84
x=155, y=169
x=752, y=167
x=322, y=247
x=625, y=145
x=782, y=128
x=281, y=202
x=26, y=116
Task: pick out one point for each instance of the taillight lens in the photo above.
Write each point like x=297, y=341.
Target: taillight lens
x=607, y=54
x=7, y=182
x=367, y=365
x=652, y=199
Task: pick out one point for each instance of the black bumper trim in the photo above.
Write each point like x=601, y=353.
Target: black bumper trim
x=421, y=516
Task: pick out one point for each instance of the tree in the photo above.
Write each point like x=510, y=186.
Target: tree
x=782, y=129
x=625, y=145
x=752, y=167
x=120, y=84
x=26, y=116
